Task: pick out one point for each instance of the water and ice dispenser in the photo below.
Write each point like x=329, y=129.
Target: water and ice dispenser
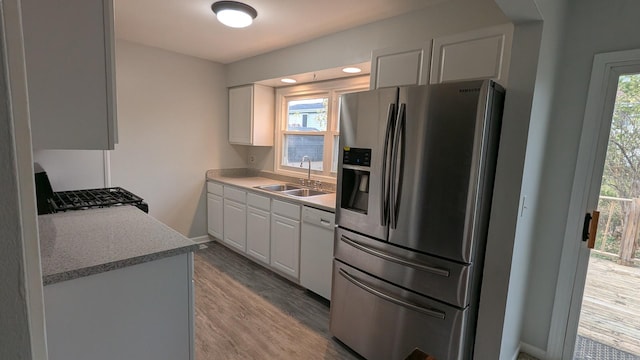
x=355, y=179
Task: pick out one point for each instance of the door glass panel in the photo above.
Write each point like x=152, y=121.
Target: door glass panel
x=296, y=147
x=307, y=114
x=609, y=326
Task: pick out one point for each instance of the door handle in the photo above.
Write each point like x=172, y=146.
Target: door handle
x=396, y=259
x=397, y=154
x=590, y=228
x=384, y=186
x=430, y=312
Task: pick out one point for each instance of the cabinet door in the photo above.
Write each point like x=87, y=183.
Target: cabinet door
x=69, y=60
x=258, y=233
x=215, y=215
x=478, y=54
x=235, y=224
x=240, y=115
x=285, y=245
x=400, y=66
x=251, y=115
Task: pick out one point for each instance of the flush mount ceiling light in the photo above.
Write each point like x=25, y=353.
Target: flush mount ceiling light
x=351, y=70
x=288, y=81
x=234, y=14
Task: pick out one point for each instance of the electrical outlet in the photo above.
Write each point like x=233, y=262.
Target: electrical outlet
x=252, y=159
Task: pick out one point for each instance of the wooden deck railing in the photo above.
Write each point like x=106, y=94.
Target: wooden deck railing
x=619, y=229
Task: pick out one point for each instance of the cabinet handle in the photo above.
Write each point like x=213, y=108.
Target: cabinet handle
x=325, y=222
x=430, y=312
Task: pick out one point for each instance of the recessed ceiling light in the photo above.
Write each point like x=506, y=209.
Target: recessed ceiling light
x=288, y=81
x=234, y=14
x=351, y=70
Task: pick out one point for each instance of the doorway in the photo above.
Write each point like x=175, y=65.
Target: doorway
x=609, y=322
x=598, y=293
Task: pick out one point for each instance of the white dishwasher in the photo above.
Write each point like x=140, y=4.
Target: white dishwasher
x=316, y=250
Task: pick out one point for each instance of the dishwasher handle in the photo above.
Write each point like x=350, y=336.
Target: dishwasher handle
x=319, y=218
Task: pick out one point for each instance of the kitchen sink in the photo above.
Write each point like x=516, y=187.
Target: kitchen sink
x=304, y=192
x=279, y=188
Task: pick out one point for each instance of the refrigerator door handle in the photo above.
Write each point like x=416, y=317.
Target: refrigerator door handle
x=396, y=259
x=430, y=312
x=384, y=188
x=397, y=164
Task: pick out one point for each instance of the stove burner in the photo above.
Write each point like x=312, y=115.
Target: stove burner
x=95, y=198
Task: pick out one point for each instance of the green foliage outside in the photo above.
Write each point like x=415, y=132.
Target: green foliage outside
x=621, y=177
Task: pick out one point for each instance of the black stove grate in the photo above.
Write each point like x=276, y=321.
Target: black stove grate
x=93, y=198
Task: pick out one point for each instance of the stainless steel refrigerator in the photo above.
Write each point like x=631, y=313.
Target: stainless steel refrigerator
x=415, y=182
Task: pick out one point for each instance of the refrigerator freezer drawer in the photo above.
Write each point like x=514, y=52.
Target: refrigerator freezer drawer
x=382, y=321
x=434, y=277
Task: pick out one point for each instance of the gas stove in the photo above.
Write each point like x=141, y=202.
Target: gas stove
x=95, y=198
x=52, y=202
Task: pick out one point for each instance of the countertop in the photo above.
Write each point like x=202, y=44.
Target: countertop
x=323, y=202
x=80, y=243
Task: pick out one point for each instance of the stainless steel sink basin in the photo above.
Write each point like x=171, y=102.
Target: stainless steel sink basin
x=304, y=192
x=278, y=188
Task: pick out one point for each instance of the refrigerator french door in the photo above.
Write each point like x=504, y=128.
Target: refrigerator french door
x=429, y=196
x=415, y=181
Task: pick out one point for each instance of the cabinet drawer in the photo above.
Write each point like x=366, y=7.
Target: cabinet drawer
x=286, y=209
x=260, y=202
x=235, y=194
x=215, y=188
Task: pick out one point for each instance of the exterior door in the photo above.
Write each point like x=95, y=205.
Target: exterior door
x=598, y=321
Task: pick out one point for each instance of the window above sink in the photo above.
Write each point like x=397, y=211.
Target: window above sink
x=307, y=124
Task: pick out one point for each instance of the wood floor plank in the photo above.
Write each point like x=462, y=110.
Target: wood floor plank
x=244, y=311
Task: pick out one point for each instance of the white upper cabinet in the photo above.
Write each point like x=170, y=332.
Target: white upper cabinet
x=479, y=54
x=400, y=66
x=251, y=115
x=69, y=51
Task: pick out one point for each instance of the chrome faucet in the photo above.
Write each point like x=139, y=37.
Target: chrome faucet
x=308, y=159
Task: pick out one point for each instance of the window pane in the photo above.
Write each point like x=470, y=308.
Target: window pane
x=307, y=115
x=298, y=146
x=336, y=153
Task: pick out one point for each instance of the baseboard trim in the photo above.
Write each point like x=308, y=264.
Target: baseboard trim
x=533, y=350
x=201, y=239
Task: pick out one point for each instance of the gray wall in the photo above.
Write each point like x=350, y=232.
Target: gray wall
x=355, y=46
x=172, y=127
x=592, y=26
x=73, y=169
x=14, y=341
x=530, y=95
x=21, y=303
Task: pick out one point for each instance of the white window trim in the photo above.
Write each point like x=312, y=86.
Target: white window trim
x=332, y=88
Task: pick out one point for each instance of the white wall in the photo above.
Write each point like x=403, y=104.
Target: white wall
x=592, y=26
x=172, y=127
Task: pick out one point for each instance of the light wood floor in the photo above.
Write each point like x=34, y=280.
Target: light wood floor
x=244, y=311
x=611, y=305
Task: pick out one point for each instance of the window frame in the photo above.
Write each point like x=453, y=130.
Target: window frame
x=332, y=89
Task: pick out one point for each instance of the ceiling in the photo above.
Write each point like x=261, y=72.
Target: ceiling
x=190, y=27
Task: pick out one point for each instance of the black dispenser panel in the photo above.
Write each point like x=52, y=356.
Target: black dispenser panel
x=356, y=156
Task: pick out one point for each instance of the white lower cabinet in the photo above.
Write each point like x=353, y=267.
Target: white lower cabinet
x=285, y=245
x=235, y=224
x=215, y=215
x=215, y=210
x=258, y=234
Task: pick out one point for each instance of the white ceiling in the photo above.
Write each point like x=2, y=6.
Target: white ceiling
x=190, y=27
